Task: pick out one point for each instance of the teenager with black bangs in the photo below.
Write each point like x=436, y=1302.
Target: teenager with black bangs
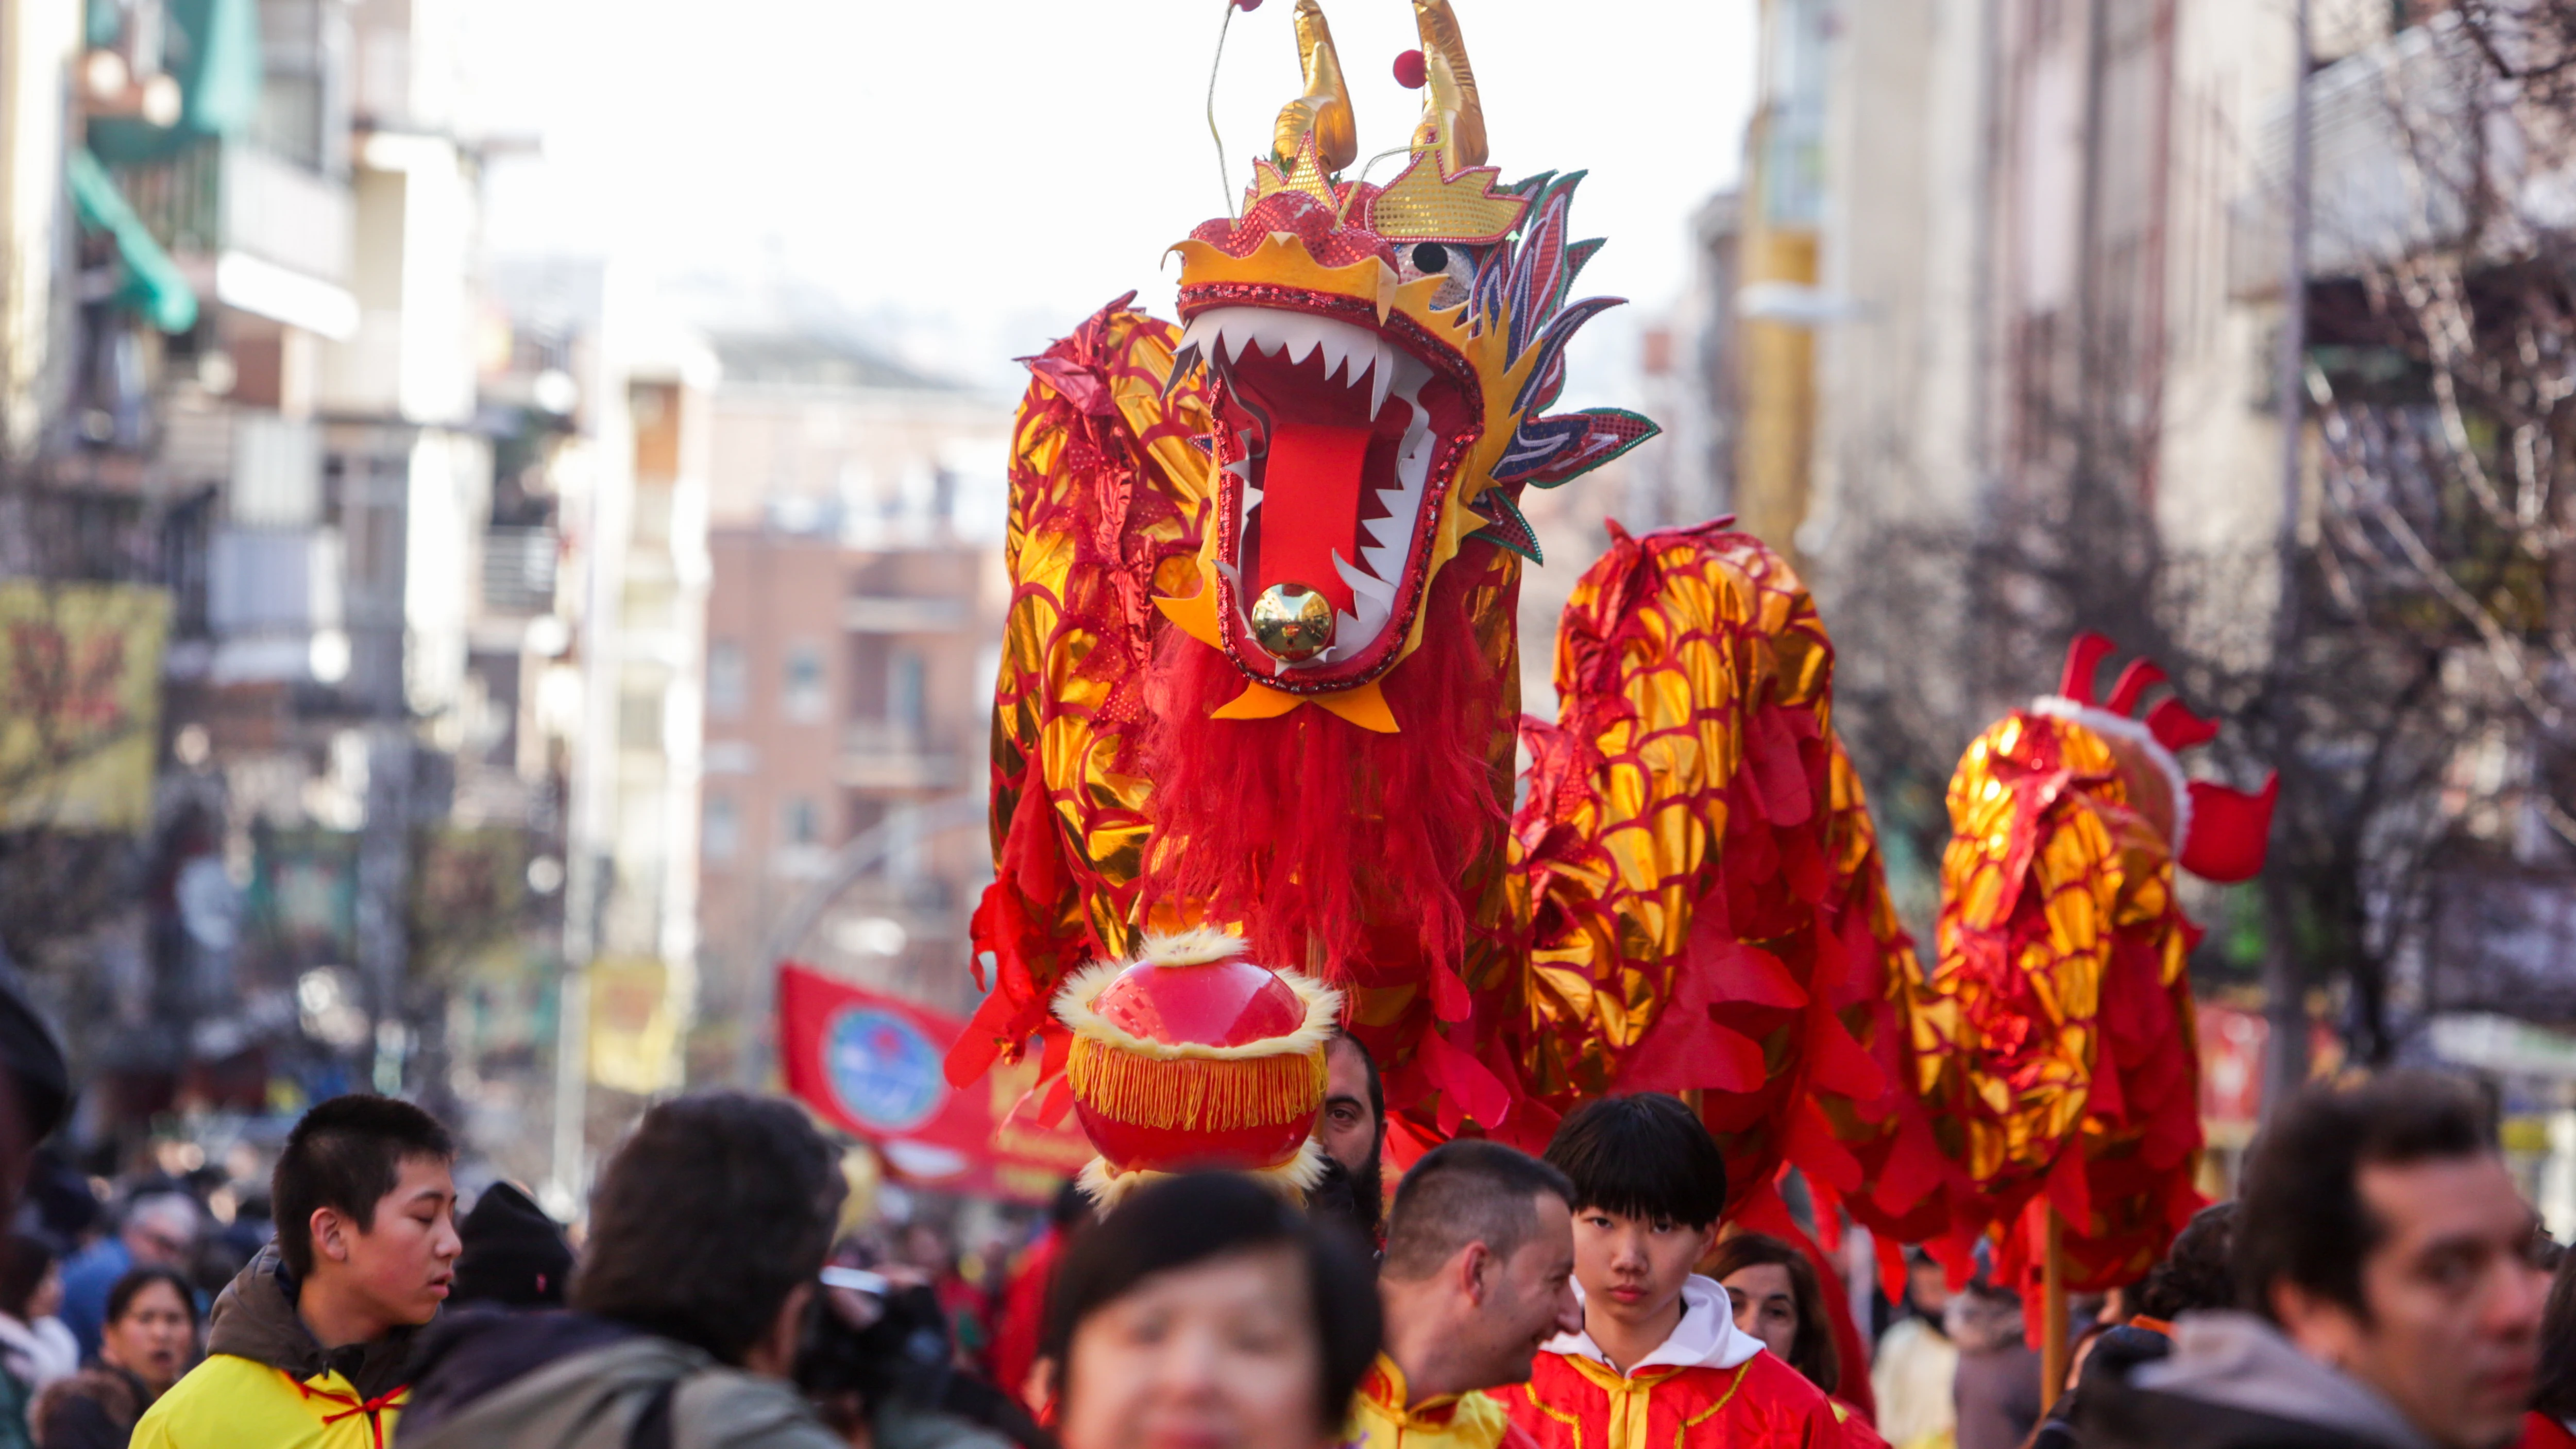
x=1649, y=1186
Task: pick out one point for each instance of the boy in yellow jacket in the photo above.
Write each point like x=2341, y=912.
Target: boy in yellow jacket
x=309, y=1346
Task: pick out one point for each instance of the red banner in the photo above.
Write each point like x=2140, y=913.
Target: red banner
x=870, y=1064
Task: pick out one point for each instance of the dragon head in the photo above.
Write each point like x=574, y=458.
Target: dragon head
x=1380, y=361
x=2215, y=831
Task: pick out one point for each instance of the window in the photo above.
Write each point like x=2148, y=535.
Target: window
x=722, y=836
x=804, y=699
x=639, y=719
x=904, y=691
x=728, y=679
x=800, y=824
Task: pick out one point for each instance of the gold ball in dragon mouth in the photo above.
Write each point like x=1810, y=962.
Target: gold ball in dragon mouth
x=1292, y=622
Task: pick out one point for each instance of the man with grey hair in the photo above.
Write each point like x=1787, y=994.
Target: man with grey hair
x=159, y=1230
x=1479, y=1271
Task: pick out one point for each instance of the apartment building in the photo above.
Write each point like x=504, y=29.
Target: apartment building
x=853, y=633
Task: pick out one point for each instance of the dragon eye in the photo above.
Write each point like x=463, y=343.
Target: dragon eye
x=1430, y=257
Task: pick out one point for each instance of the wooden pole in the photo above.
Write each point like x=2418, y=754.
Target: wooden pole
x=2054, y=1347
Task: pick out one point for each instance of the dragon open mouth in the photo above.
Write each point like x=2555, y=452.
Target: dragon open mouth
x=1337, y=442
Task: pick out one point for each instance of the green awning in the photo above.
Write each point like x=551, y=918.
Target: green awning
x=213, y=50
x=153, y=286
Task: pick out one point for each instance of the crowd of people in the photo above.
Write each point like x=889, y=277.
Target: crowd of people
x=2380, y=1282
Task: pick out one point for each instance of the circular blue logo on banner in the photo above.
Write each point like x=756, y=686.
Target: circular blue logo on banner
x=883, y=1071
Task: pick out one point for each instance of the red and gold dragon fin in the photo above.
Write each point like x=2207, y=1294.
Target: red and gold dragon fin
x=1710, y=913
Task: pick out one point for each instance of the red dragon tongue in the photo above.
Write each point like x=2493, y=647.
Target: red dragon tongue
x=1310, y=508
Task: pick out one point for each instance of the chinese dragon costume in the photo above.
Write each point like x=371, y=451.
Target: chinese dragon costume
x=1255, y=740
x=1259, y=678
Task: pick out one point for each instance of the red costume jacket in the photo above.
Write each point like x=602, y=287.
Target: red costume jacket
x=1023, y=1317
x=1724, y=1392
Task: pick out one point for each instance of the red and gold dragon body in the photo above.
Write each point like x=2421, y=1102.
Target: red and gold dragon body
x=2053, y=1049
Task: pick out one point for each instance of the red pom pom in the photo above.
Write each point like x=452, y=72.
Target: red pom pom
x=1247, y=4
x=1409, y=70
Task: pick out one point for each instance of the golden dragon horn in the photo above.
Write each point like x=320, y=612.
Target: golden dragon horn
x=1452, y=118
x=1324, y=111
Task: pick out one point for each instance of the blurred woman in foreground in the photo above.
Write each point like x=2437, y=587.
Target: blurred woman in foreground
x=1204, y=1313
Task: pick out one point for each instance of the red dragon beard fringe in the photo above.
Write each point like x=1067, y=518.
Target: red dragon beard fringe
x=1320, y=835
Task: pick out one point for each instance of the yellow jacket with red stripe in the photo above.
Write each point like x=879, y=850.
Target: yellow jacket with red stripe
x=266, y=1384
x=1382, y=1417
x=235, y=1403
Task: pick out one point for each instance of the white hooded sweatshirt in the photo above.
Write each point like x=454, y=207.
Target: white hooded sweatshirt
x=1705, y=1338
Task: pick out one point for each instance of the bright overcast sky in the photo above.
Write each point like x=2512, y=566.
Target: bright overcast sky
x=982, y=175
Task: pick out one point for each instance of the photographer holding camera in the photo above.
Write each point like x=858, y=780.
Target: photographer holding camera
x=708, y=1235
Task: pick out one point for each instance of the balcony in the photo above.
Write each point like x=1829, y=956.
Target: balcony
x=883, y=755
x=519, y=571
x=863, y=614
x=274, y=607
x=278, y=236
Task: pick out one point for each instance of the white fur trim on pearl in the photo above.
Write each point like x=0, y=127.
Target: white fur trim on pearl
x=1200, y=947
x=1106, y=1186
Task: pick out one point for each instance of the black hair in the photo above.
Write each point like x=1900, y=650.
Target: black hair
x=1071, y=1208
x=1184, y=1221
x=347, y=1154
x=1642, y=1156
x=2197, y=1273
x=1368, y=1181
x=130, y=1286
x=24, y=1261
x=1812, y=1352
x=511, y=1252
x=2301, y=1218
x=1376, y=1086
x=710, y=1215
x=2556, y=1393
x=1468, y=1191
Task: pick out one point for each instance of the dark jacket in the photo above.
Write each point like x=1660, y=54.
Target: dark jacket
x=1997, y=1394
x=494, y=1380
x=2114, y=1354
x=2233, y=1382
x=93, y=1409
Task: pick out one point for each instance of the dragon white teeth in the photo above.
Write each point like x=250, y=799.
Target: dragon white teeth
x=1227, y=331
x=1337, y=350
x=1364, y=585
x=1387, y=532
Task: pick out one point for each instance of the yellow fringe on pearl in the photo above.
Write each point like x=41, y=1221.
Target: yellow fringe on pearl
x=1197, y=1093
